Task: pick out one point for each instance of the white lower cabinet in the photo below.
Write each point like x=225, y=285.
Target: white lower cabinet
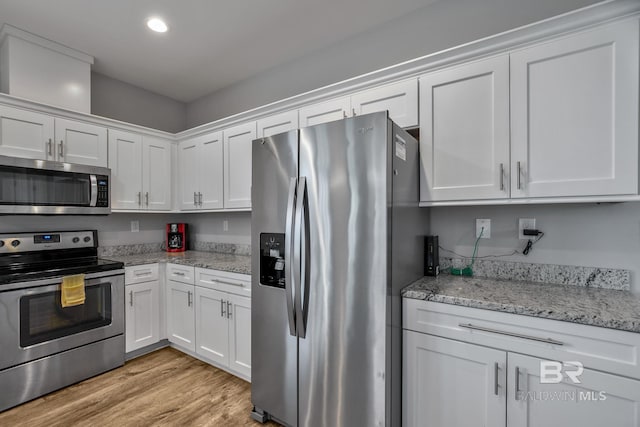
x=223, y=320
x=142, y=306
x=181, y=328
x=600, y=399
x=496, y=378
x=452, y=384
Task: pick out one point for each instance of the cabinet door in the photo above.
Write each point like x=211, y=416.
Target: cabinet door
x=574, y=115
x=452, y=384
x=237, y=165
x=125, y=161
x=600, y=399
x=464, y=138
x=142, y=315
x=81, y=143
x=156, y=173
x=278, y=123
x=212, y=330
x=188, y=173
x=181, y=328
x=211, y=169
x=328, y=111
x=399, y=99
x=240, y=334
x=26, y=134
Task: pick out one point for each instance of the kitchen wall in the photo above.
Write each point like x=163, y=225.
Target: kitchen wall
x=121, y=101
x=115, y=229
x=600, y=235
x=433, y=28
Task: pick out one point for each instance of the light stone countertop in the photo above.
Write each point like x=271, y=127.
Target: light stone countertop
x=607, y=308
x=215, y=261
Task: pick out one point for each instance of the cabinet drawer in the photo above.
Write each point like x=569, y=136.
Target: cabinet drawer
x=234, y=283
x=140, y=273
x=180, y=273
x=598, y=348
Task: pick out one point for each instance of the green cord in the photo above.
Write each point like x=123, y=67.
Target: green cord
x=468, y=270
x=475, y=248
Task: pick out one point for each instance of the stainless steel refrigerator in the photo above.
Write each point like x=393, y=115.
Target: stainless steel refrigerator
x=336, y=234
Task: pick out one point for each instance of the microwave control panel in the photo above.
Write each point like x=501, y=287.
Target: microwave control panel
x=103, y=191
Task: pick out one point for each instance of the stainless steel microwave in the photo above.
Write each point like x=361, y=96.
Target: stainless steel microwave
x=29, y=186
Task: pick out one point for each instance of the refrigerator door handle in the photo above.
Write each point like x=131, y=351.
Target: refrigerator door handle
x=289, y=280
x=302, y=236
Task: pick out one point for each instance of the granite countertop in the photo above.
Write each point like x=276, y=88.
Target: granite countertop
x=607, y=308
x=215, y=261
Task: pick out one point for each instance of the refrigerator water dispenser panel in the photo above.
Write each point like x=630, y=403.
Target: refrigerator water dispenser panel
x=272, y=259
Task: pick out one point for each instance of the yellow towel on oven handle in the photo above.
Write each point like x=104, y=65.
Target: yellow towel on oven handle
x=72, y=290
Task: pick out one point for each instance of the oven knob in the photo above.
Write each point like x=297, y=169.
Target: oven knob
x=75, y=239
x=15, y=243
x=87, y=239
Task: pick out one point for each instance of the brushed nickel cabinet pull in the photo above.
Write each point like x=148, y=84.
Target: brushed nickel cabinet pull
x=496, y=384
x=50, y=147
x=146, y=198
x=131, y=298
x=519, y=167
x=195, y=198
x=501, y=176
x=511, y=334
x=229, y=309
x=139, y=198
x=61, y=149
x=222, y=312
x=189, y=299
x=517, y=383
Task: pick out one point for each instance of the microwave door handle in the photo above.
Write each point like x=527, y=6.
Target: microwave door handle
x=289, y=279
x=93, y=192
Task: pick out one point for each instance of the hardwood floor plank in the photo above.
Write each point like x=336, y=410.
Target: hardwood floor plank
x=163, y=388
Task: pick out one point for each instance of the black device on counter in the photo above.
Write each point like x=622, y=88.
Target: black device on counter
x=431, y=256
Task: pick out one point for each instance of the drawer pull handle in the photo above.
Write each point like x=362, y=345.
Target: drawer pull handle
x=225, y=281
x=517, y=394
x=143, y=273
x=496, y=384
x=178, y=273
x=511, y=334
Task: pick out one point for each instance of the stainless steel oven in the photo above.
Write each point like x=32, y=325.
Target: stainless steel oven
x=29, y=186
x=45, y=346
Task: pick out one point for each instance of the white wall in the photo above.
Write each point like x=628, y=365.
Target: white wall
x=433, y=28
x=209, y=227
x=122, y=101
x=598, y=235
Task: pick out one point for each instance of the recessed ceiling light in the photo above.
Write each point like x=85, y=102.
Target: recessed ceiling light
x=157, y=25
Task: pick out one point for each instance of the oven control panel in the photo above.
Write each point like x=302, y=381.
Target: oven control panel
x=28, y=242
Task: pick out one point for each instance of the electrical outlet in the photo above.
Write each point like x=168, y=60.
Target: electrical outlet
x=525, y=223
x=225, y=225
x=135, y=226
x=486, y=224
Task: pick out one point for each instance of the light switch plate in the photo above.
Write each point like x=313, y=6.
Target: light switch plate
x=225, y=225
x=486, y=223
x=135, y=226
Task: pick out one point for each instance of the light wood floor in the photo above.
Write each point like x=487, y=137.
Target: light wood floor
x=166, y=387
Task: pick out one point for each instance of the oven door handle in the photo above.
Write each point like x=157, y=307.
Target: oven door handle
x=93, y=194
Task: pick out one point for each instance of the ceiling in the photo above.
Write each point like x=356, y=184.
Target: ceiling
x=211, y=44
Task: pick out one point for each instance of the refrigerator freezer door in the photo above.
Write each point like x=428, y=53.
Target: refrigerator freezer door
x=273, y=347
x=342, y=357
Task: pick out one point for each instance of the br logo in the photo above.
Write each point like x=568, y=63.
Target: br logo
x=552, y=372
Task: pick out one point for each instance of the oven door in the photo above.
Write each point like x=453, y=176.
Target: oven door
x=33, y=323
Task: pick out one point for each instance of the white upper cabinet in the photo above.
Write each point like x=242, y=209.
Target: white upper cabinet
x=125, y=161
x=327, y=111
x=156, y=173
x=25, y=134
x=278, y=123
x=464, y=138
x=574, y=114
x=78, y=142
x=32, y=135
x=200, y=165
x=237, y=165
x=400, y=99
